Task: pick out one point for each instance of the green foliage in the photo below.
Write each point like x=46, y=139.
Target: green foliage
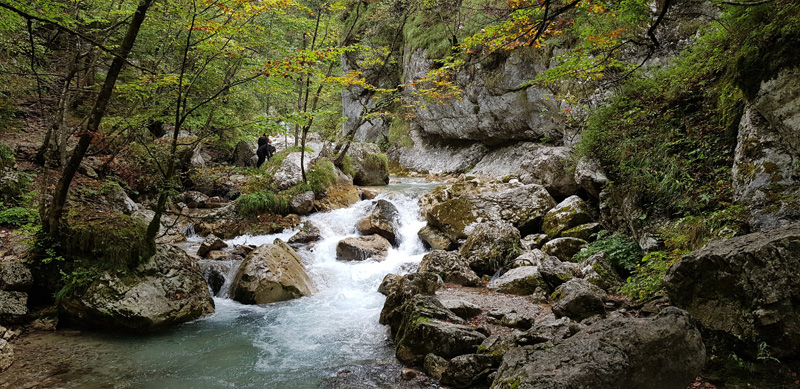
x=690, y=233
x=623, y=253
x=262, y=202
x=75, y=281
x=347, y=166
x=321, y=176
x=647, y=279
x=17, y=216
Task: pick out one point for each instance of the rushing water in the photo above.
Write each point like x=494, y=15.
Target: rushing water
x=293, y=344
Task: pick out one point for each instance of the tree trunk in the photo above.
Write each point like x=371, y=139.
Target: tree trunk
x=51, y=225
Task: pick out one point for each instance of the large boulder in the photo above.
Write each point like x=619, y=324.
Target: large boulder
x=491, y=246
x=547, y=167
x=382, y=220
x=466, y=370
x=270, y=273
x=340, y=194
x=564, y=248
x=520, y=281
x=522, y=206
x=569, y=213
x=15, y=276
x=427, y=327
x=210, y=243
x=399, y=289
x=289, y=173
x=371, y=167
x=302, y=203
x=745, y=288
x=13, y=307
x=554, y=272
x=451, y=266
x=661, y=352
x=373, y=247
x=578, y=299
x=435, y=239
x=243, y=154
x=166, y=289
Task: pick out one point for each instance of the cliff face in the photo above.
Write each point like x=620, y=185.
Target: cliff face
x=494, y=108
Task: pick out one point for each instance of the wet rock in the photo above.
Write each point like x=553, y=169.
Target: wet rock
x=598, y=271
x=451, y=266
x=214, y=274
x=408, y=374
x=587, y=232
x=435, y=239
x=341, y=194
x=744, y=288
x=373, y=247
x=219, y=255
x=210, y=243
x=399, y=289
x=464, y=309
x=15, y=276
x=243, y=154
x=13, y=307
x=307, y=234
x=589, y=176
x=303, y=203
x=491, y=246
x=426, y=327
x=569, y=213
x=435, y=365
x=522, y=206
x=164, y=290
x=578, y=299
x=465, y=370
x=533, y=241
x=564, y=248
x=242, y=250
x=369, y=193
x=272, y=272
x=382, y=220
x=661, y=352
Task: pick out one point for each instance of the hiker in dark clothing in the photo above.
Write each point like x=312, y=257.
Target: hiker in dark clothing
x=265, y=149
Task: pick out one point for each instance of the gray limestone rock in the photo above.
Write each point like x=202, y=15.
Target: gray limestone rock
x=451, y=266
x=564, y=248
x=661, y=352
x=373, y=247
x=272, y=272
x=569, y=213
x=302, y=203
x=578, y=299
x=15, y=276
x=382, y=220
x=491, y=246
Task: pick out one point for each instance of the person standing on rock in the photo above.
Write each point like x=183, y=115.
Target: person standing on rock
x=265, y=149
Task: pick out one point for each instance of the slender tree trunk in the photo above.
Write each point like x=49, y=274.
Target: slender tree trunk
x=51, y=225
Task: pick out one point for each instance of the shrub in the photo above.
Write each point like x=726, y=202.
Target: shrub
x=622, y=252
x=647, y=280
x=261, y=202
x=18, y=216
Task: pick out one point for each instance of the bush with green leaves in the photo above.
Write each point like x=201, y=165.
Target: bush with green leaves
x=17, y=216
x=647, y=279
x=622, y=252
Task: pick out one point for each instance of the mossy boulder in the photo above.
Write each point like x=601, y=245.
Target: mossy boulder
x=371, y=169
x=564, y=248
x=569, y=213
x=744, y=289
x=522, y=206
x=164, y=290
x=598, y=271
x=270, y=273
x=491, y=246
x=399, y=289
x=450, y=266
x=427, y=327
x=586, y=231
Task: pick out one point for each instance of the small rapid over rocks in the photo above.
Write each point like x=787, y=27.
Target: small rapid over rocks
x=332, y=336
